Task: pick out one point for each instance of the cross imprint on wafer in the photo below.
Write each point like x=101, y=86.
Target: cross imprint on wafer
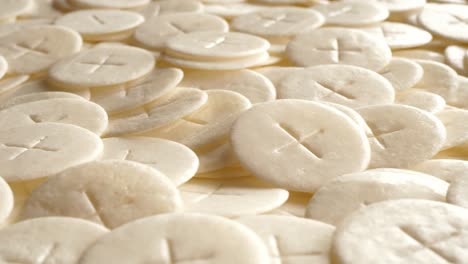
x=98, y=19
x=389, y=75
x=298, y=140
x=279, y=256
x=218, y=41
x=377, y=134
x=205, y=195
x=92, y=204
x=390, y=33
x=271, y=21
x=125, y=91
x=340, y=11
x=195, y=121
x=41, y=259
x=128, y=155
x=169, y=257
x=177, y=27
x=102, y=63
x=458, y=20
x=25, y=48
x=334, y=91
x=23, y=148
x=431, y=246
x=38, y=119
x=338, y=50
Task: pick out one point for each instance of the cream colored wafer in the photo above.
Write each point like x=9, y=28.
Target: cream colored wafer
x=6, y=200
x=103, y=65
x=174, y=160
x=294, y=143
x=110, y=193
x=250, y=84
x=33, y=50
x=339, y=46
x=342, y=84
x=155, y=32
x=179, y=238
x=404, y=231
x=401, y=136
x=73, y=111
x=168, y=108
x=292, y=240
x=130, y=96
x=232, y=197
x=100, y=25
x=48, y=240
x=46, y=148
x=421, y=99
x=348, y=193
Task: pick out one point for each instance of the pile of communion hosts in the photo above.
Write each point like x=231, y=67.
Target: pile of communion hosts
x=233, y=131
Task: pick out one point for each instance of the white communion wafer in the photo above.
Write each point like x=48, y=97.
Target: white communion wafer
x=6, y=200
x=40, y=85
x=124, y=4
x=282, y=22
x=216, y=157
x=421, y=54
x=13, y=8
x=402, y=6
x=3, y=66
x=165, y=7
x=297, y=145
x=209, y=124
x=440, y=79
x=404, y=231
x=291, y=239
x=174, y=160
x=348, y=193
x=224, y=65
x=110, y=193
x=351, y=113
x=39, y=96
x=231, y=198
x=455, y=122
x=256, y=87
x=103, y=65
x=339, y=46
x=401, y=136
x=233, y=10
x=130, y=96
x=8, y=28
x=457, y=193
x=457, y=58
x=155, y=32
x=353, y=13
x=277, y=74
x=422, y=99
x=34, y=49
x=48, y=240
x=225, y=173
x=400, y=35
x=73, y=111
x=168, y=108
x=179, y=238
x=402, y=73
x=445, y=169
x=448, y=22
x=216, y=45
x=342, y=84
x=97, y=25
x=46, y=148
